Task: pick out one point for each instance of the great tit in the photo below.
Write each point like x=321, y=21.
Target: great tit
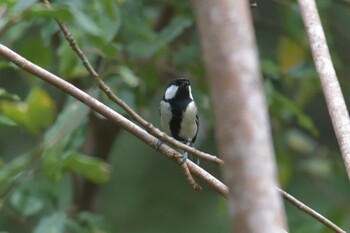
x=179, y=114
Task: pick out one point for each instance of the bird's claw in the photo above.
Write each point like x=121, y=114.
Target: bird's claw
x=183, y=157
x=158, y=144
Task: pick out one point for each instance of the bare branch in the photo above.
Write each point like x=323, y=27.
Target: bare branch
x=329, y=82
x=188, y=175
x=103, y=86
x=310, y=211
x=209, y=179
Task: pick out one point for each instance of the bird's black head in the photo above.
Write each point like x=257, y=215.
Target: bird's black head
x=180, y=82
x=178, y=89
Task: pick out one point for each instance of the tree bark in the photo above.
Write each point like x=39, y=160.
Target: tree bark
x=330, y=86
x=242, y=126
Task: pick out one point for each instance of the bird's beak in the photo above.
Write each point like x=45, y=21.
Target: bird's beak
x=186, y=83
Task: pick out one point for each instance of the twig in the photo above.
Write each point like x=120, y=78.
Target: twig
x=102, y=85
x=187, y=173
x=329, y=82
x=209, y=179
x=310, y=211
x=123, y=122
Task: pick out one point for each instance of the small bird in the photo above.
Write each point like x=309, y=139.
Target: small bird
x=179, y=114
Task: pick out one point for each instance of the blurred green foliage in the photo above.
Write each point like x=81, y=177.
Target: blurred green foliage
x=137, y=47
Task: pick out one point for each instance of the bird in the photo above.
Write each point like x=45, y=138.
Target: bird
x=179, y=113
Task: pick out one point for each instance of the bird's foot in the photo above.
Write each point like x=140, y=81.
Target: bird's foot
x=158, y=144
x=183, y=157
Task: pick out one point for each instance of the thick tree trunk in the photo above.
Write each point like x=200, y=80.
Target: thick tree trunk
x=242, y=125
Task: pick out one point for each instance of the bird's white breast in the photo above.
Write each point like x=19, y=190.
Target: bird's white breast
x=188, y=125
x=165, y=112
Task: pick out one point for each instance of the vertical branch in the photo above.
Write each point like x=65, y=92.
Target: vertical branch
x=242, y=125
x=329, y=82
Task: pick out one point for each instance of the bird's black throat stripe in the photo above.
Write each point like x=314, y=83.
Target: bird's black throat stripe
x=177, y=110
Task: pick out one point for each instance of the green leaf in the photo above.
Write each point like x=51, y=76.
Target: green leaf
x=108, y=48
x=270, y=68
x=36, y=113
x=128, y=76
x=147, y=48
x=96, y=222
x=73, y=115
x=14, y=168
x=301, y=142
x=110, y=24
x=291, y=22
x=137, y=27
x=76, y=226
x=320, y=166
x=91, y=168
x=5, y=64
x=69, y=65
x=269, y=90
x=52, y=224
x=86, y=23
x=284, y=168
x=41, y=108
x=61, y=13
x=8, y=95
x=15, y=32
x=25, y=203
x=173, y=30
x=142, y=49
x=6, y=121
x=187, y=54
x=22, y=5
x=33, y=49
x=19, y=113
x=52, y=163
x=303, y=120
x=85, y=222
x=289, y=53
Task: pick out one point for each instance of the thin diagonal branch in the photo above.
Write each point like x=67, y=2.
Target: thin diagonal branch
x=329, y=82
x=310, y=212
x=103, y=86
x=134, y=129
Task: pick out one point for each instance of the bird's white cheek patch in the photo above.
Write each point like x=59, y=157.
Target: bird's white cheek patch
x=165, y=113
x=190, y=92
x=171, y=92
x=188, y=125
